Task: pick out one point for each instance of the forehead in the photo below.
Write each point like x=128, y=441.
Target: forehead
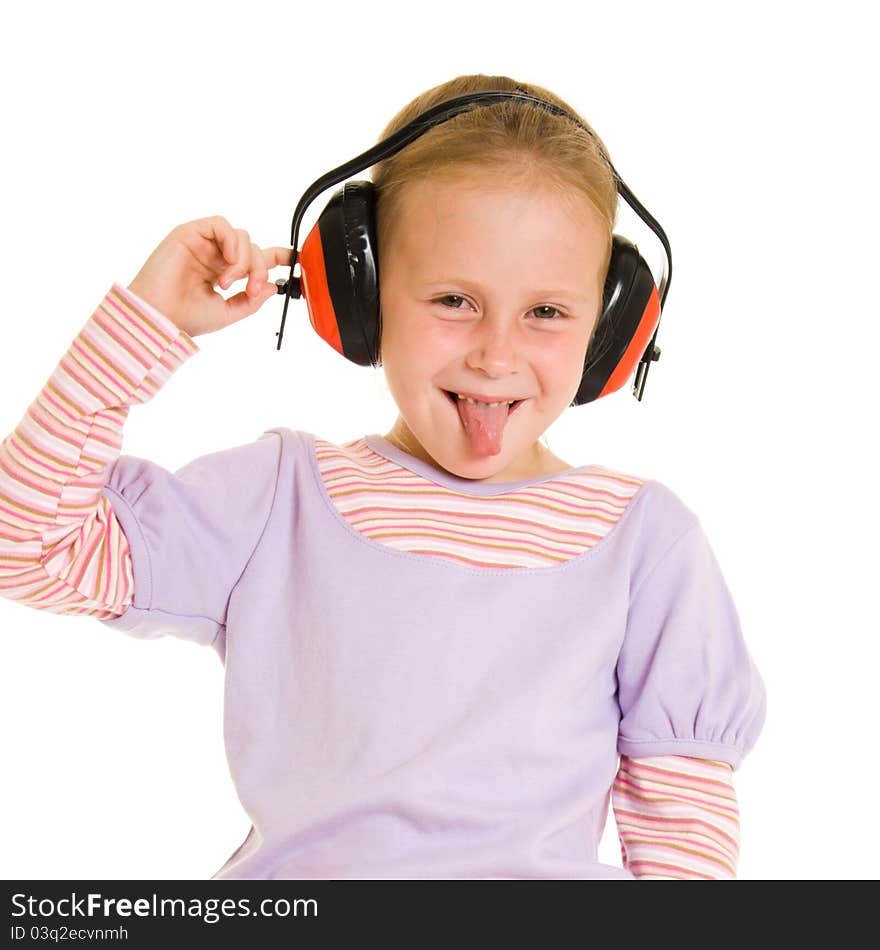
x=478, y=220
x=457, y=191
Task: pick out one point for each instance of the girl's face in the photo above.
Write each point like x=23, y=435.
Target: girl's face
x=489, y=290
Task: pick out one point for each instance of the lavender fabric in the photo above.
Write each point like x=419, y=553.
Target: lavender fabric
x=396, y=715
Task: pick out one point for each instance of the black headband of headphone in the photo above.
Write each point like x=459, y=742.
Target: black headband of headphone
x=424, y=122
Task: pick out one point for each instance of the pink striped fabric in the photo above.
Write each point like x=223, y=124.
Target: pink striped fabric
x=677, y=817
x=538, y=526
x=62, y=549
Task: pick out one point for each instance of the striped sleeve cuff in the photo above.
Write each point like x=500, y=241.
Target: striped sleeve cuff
x=154, y=329
x=677, y=817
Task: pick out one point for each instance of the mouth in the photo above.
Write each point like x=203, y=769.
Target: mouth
x=512, y=405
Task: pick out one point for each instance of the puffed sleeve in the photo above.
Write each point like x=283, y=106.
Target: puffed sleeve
x=191, y=534
x=686, y=682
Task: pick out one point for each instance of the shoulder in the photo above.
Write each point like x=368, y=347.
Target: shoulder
x=247, y=464
x=651, y=498
x=302, y=441
x=331, y=462
x=664, y=506
x=649, y=513
x=642, y=490
x=661, y=525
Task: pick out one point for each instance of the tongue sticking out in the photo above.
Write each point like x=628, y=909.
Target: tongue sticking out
x=484, y=425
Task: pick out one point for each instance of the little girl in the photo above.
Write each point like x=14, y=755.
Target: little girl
x=446, y=649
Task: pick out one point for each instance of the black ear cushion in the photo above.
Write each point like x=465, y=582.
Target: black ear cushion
x=359, y=215
x=629, y=307
x=348, y=238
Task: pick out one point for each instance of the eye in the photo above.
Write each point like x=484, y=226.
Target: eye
x=548, y=307
x=445, y=297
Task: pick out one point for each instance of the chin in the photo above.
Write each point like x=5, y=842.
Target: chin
x=479, y=469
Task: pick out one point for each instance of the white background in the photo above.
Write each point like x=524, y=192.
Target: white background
x=749, y=134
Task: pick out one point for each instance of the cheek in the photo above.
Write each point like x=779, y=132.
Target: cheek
x=563, y=358
x=560, y=367
x=417, y=338
x=409, y=356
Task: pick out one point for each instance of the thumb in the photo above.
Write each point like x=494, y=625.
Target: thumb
x=267, y=292
x=242, y=305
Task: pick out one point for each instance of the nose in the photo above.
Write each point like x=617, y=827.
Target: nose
x=493, y=347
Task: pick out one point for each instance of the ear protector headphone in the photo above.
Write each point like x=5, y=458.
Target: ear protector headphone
x=339, y=274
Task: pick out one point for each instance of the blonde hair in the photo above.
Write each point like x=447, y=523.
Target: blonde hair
x=519, y=141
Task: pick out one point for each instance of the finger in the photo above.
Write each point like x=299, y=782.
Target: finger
x=220, y=232
x=242, y=305
x=272, y=257
x=242, y=263
x=277, y=256
x=258, y=274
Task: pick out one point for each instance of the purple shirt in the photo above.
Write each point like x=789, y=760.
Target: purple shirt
x=397, y=715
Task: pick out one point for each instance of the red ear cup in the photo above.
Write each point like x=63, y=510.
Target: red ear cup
x=340, y=282
x=340, y=277
x=630, y=314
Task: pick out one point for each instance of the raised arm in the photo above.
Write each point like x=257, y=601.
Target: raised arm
x=61, y=546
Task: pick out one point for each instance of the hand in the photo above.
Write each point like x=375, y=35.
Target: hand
x=179, y=277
